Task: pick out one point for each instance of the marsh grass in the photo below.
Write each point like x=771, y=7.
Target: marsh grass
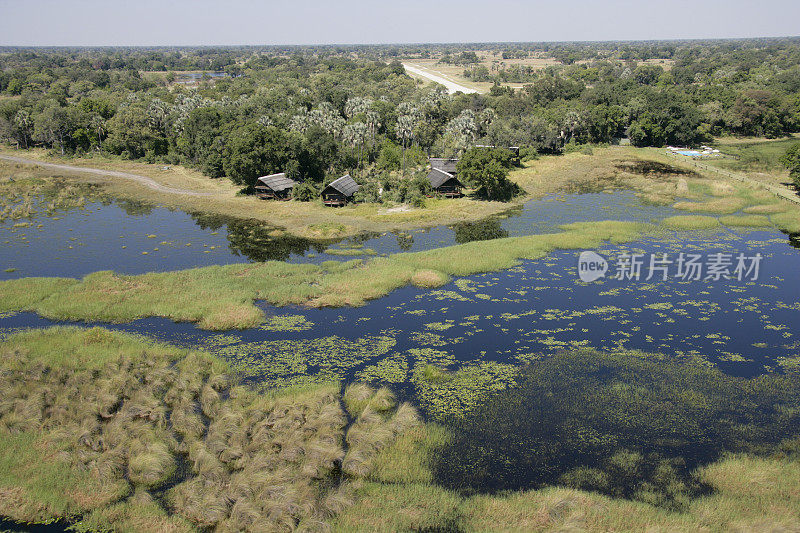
x=29, y=195
x=350, y=251
x=690, y=222
x=765, y=209
x=129, y=434
x=221, y=297
x=720, y=206
x=741, y=492
x=788, y=221
x=751, y=221
x=748, y=494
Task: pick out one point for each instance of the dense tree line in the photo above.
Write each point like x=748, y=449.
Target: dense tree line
x=317, y=112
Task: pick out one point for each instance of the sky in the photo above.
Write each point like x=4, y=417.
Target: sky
x=251, y=22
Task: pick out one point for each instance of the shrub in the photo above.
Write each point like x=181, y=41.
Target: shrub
x=369, y=192
x=791, y=160
x=305, y=191
x=486, y=169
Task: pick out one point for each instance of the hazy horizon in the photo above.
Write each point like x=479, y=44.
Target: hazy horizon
x=149, y=23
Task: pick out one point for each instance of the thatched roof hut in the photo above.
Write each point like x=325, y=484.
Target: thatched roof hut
x=447, y=165
x=340, y=191
x=275, y=187
x=445, y=183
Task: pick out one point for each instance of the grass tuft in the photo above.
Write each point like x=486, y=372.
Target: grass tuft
x=751, y=221
x=688, y=222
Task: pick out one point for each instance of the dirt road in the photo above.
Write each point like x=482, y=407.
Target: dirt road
x=452, y=87
x=144, y=180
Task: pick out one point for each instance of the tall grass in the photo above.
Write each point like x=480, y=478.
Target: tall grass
x=129, y=434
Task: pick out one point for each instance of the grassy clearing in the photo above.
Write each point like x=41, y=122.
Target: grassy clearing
x=455, y=73
x=755, y=156
x=221, y=297
x=130, y=434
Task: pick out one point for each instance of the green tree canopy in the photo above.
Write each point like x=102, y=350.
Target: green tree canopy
x=486, y=169
x=254, y=150
x=791, y=160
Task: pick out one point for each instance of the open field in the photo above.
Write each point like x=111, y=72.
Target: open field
x=759, y=158
x=426, y=73
x=452, y=75
x=493, y=61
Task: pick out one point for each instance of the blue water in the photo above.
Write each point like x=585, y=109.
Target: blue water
x=136, y=238
x=513, y=316
x=505, y=317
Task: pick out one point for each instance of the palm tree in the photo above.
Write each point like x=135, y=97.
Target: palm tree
x=373, y=123
x=98, y=125
x=23, y=121
x=463, y=128
x=405, y=130
x=356, y=135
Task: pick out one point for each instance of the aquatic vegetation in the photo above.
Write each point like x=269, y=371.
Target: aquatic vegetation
x=120, y=432
x=789, y=363
x=221, y=297
x=25, y=197
x=457, y=393
x=278, y=362
x=627, y=425
x=465, y=285
x=448, y=295
x=743, y=492
x=439, y=326
x=753, y=221
x=390, y=369
x=788, y=221
x=287, y=323
x=682, y=222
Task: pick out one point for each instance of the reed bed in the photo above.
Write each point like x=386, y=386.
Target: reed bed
x=114, y=431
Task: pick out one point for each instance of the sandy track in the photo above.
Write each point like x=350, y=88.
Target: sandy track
x=452, y=87
x=144, y=180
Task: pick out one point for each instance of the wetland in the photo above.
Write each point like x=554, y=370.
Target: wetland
x=399, y=348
